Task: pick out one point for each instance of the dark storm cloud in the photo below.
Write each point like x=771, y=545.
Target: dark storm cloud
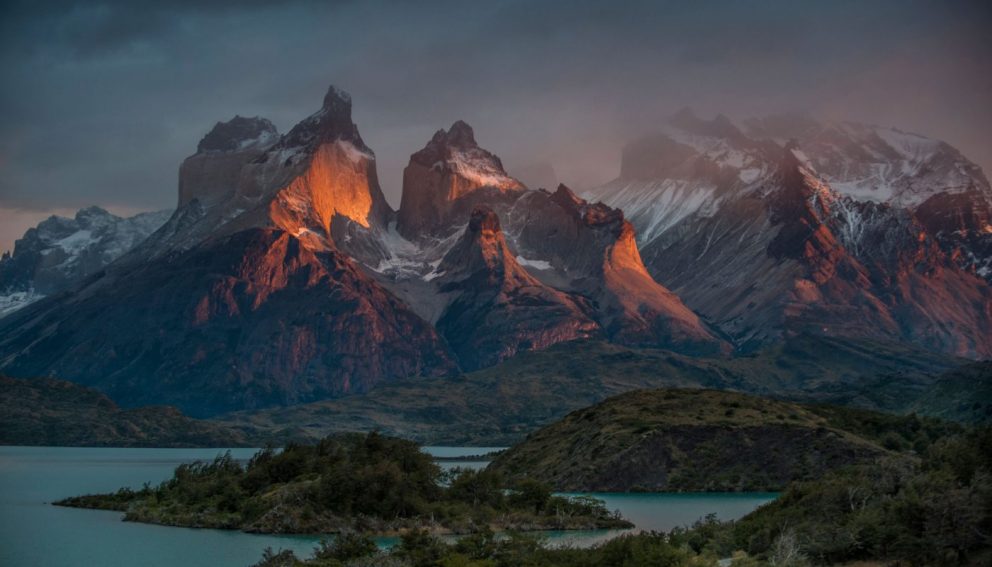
x=102, y=100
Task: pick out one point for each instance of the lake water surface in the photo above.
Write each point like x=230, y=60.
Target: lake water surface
x=34, y=533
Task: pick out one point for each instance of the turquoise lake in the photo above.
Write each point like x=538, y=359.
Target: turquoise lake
x=35, y=533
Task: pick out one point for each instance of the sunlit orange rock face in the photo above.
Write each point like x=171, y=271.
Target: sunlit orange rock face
x=961, y=223
x=446, y=179
x=648, y=313
x=901, y=286
x=317, y=181
x=832, y=290
x=322, y=174
x=595, y=247
x=856, y=231
x=336, y=182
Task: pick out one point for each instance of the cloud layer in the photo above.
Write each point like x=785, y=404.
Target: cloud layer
x=101, y=101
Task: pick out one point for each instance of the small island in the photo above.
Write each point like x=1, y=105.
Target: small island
x=365, y=483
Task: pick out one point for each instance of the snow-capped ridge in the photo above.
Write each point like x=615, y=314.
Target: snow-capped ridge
x=839, y=228
x=60, y=252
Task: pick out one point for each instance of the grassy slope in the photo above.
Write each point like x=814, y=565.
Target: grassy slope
x=963, y=394
x=498, y=405
x=706, y=440
x=45, y=411
x=502, y=404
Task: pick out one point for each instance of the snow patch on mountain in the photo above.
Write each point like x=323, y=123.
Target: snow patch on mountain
x=654, y=206
x=355, y=154
x=75, y=242
x=11, y=301
x=722, y=151
x=479, y=169
x=263, y=140
x=537, y=264
x=887, y=165
x=405, y=259
x=853, y=225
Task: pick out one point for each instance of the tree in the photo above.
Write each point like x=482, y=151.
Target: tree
x=530, y=493
x=347, y=545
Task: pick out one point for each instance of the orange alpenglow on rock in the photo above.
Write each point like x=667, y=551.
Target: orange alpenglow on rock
x=318, y=175
x=337, y=175
x=446, y=178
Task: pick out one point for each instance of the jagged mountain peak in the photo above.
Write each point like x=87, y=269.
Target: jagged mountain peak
x=332, y=122
x=592, y=214
x=797, y=192
x=460, y=135
x=719, y=127
x=480, y=252
x=238, y=133
x=318, y=172
x=93, y=216
x=849, y=229
x=211, y=175
x=877, y=163
x=337, y=98
x=60, y=252
x=565, y=196
x=446, y=179
x=795, y=160
x=457, y=148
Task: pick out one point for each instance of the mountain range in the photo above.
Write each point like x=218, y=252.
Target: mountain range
x=60, y=252
x=284, y=276
x=786, y=225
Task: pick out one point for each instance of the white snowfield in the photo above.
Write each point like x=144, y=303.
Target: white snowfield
x=896, y=167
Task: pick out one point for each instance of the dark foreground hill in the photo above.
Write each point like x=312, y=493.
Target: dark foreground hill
x=45, y=411
x=673, y=439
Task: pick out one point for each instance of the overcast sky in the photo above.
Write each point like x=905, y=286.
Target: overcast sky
x=101, y=101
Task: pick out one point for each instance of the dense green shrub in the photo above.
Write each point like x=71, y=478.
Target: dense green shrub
x=936, y=512
x=354, y=481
